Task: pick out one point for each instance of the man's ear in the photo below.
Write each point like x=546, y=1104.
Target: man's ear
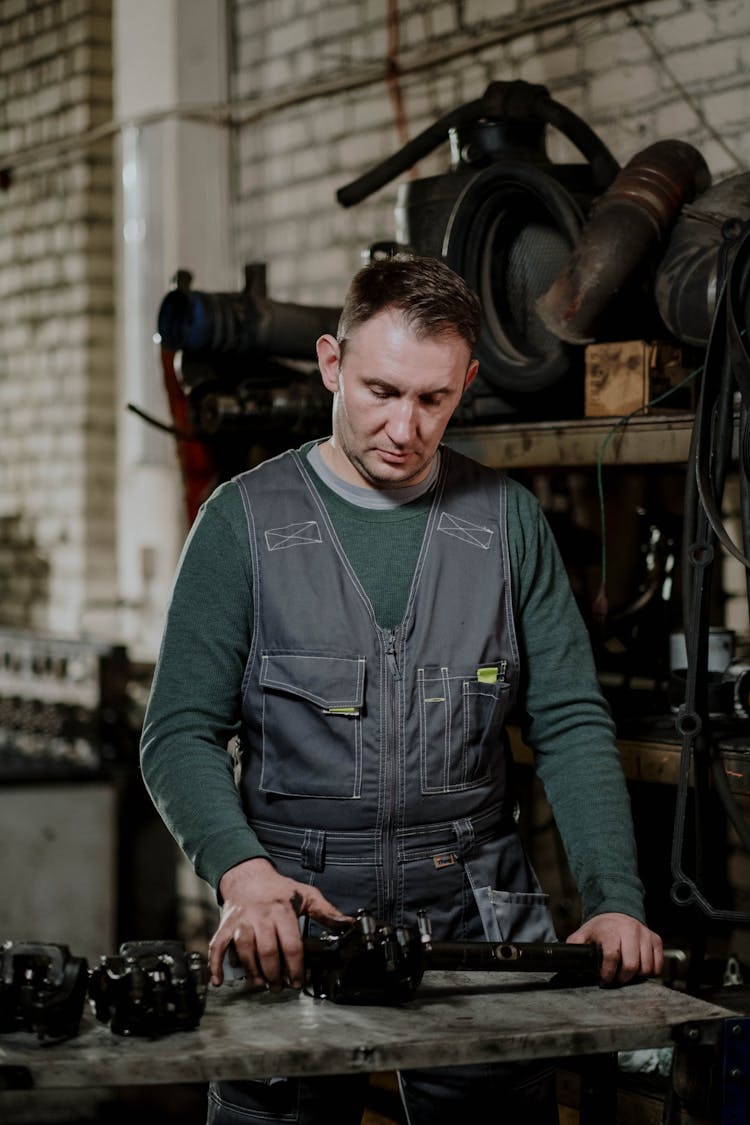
x=329, y=355
x=471, y=372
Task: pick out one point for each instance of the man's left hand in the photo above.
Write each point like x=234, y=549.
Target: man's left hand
x=629, y=948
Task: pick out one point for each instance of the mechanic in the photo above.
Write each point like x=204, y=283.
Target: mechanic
x=350, y=625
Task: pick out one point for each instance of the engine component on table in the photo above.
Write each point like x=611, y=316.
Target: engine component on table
x=367, y=963
x=151, y=988
x=372, y=962
x=42, y=989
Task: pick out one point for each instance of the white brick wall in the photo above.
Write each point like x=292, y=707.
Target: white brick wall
x=681, y=73
x=56, y=319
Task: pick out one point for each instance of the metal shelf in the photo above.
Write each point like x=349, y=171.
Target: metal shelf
x=654, y=439
x=658, y=761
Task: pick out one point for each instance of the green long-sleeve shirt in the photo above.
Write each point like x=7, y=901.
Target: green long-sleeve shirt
x=194, y=708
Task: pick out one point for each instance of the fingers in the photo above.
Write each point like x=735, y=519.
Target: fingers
x=316, y=906
x=628, y=948
x=283, y=962
x=217, y=946
x=262, y=956
x=259, y=954
x=610, y=965
x=651, y=955
x=260, y=922
x=270, y=952
x=265, y=936
x=640, y=956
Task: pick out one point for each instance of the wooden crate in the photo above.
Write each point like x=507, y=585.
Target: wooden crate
x=626, y=375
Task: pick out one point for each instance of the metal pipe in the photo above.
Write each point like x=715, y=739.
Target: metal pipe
x=626, y=222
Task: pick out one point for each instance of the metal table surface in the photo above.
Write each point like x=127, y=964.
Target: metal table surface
x=457, y=1017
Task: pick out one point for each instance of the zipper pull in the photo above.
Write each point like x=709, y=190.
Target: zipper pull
x=390, y=654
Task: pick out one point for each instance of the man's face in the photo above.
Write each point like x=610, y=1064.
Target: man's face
x=394, y=394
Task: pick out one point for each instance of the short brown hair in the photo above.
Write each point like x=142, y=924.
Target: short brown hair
x=430, y=296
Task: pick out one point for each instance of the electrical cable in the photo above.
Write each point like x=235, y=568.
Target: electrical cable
x=727, y=350
x=726, y=368
x=165, y=427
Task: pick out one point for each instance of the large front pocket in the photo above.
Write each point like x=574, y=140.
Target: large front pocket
x=507, y=893
x=460, y=719
x=312, y=724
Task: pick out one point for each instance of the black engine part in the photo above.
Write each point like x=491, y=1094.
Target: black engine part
x=42, y=989
x=152, y=988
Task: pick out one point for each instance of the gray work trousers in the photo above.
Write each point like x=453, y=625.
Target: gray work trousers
x=501, y=1094
x=468, y=908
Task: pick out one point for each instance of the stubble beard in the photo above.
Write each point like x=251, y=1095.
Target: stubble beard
x=378, y=480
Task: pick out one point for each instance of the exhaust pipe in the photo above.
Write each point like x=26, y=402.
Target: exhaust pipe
x=633, y=215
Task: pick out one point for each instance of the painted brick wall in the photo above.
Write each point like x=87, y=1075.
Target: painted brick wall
x=56, y=317
x=661, y=69
x=651, y=70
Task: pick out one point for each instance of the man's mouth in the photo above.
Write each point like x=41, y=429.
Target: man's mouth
x=394, y=455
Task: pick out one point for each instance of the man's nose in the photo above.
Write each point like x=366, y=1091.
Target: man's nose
x=402, y=422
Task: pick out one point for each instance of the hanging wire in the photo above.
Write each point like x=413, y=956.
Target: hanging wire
x=165, y=427
x=702, y=765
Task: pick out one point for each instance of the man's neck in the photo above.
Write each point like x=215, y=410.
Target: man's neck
x=373, y=498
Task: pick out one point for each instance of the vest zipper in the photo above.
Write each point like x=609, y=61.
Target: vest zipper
x=391, y=765
x=390, y=655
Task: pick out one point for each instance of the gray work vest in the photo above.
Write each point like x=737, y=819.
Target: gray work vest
x=354, y=728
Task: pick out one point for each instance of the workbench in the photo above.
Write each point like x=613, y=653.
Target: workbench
x=455, y=1018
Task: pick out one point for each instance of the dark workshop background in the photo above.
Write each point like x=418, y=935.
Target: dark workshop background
x=140, y=137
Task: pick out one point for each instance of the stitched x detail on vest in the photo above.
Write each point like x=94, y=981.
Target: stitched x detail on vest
x=469, y=532
x=293, y=535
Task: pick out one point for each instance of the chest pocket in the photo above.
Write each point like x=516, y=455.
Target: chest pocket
x=312, y=724
x=460, y=719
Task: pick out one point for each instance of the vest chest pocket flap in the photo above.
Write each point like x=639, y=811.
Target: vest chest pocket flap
x=312, y=724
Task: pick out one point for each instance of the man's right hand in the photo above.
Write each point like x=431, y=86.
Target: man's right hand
x=260, y=917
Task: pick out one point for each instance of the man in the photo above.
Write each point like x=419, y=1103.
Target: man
x=362, y=614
